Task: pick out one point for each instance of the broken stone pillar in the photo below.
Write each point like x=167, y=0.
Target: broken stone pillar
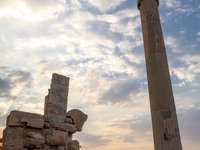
x=56, y=100
x=52, y=131
x=164, y=119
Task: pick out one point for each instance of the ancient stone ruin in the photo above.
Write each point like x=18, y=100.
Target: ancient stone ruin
x=51, y=131
x=163, y=112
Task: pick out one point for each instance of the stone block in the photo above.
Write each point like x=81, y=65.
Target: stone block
x=59, y=103
x=58, y=89
x=54, y=147
x=58, y=138
x=47, y=125
x=56, y=100
x=46, y=104
x=19, y=118
x=78, y=117
x=36, y=134
x=56, y=112
x=35, y=138
x=13, y=138
x=56, y=118
x=60, y=79
x=35, y=123
x=68, y=120
x=73, y=145
x=71, y=128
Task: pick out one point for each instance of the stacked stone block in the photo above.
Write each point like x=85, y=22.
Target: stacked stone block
x=51, y=131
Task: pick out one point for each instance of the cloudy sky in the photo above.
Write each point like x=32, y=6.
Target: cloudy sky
x=98, y=44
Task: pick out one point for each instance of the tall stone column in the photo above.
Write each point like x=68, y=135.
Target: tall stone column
x=163, y=112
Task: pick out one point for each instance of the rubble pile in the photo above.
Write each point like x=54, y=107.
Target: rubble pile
x=51, y=131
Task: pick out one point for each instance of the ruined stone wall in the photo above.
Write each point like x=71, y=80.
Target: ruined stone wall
x=51, y=131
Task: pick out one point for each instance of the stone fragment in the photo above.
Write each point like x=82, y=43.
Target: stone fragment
x=61, y=148
x=35, y=123
x=46, y=118
x=31, y=143
x=1, y=143
x=46, y=103
x=13, y=137
x=68, y=120
x=47, y=125
x=73, y=145
x=19, y=118
x=69, y=138
x=54, y=115
x=78, y=117
x=71, y=128
x=13, y=121
x=35, y=138
x=58, y=138
x=54, y=147
x=56, y=100
x=36, y=135
x=47, y=147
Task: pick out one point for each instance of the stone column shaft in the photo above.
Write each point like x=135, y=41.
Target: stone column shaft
x=164, y=119
x=56, y=100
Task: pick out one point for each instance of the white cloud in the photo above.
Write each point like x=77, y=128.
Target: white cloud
x=172, y=42
x=190, y=71
x=76, y=3
x=178, y=6
x=125, y=45
x=192, y=62
x=105, y=5
x=182, y=31
x=138, y=59
x=131, y=25
x=171, y=3
x=5, y=106
x=183, y=74
x=185, y=65
x=32, y=10
x=120, y=15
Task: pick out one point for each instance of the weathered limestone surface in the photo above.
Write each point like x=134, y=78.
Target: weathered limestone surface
x=19, y=118
x=1, y=144
x=78, y=118
x=51, y=131
x=13, y=138
x=34, y=138
x=58, y=138
x=73, y=145
x=71, y=128
x=164, y=119
x=56, y=100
